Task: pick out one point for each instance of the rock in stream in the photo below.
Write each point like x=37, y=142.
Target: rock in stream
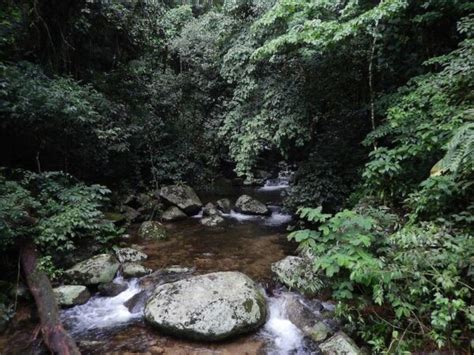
x=208, y=307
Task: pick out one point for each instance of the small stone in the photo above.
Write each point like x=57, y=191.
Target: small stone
x=212, y=221
x=152, y=230
x=112, y=289
x=130, y=270
x=208, y=307
x=248, y=205
x=210, y=210
x=71, y=295
x=129, y=255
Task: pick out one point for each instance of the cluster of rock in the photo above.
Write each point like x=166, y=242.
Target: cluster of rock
x=99, y=272
x=178, y=202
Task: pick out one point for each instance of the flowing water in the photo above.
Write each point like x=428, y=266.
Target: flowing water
x=249, y=244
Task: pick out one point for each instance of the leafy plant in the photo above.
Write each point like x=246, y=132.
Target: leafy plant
x=53, y=210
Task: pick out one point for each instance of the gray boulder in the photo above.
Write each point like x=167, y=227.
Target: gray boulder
x=207, y=307
x=137, y=302
x=173, y=214
x=224, y=205
x=248, y=205
x=96, y=270
x=71, y=295
x=152, y=230
x=125, y=255
x=340, y=343
x=182, y=196
x=212, y=221
x=130, y=270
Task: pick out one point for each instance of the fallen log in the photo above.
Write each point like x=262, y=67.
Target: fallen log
x=54, y=335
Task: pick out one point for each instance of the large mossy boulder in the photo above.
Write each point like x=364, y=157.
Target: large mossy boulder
x=96, y=270
x=340, y=343
x=71, y=295
x=182, y=196
x=208, y=307
x=248, y=205
x=173, y=214
x=152, y=230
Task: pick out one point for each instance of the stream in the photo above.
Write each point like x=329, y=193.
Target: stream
x=249, y=244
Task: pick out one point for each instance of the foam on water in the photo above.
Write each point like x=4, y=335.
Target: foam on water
x=102, y=312
x=285, y=336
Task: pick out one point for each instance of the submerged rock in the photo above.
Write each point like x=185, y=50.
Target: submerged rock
x=224, y=205
x=129, y=255
x=340, y=343
x=96, y=270
x=207, y=307
x=152, y=230
x=71, y=295
x=182, y=196
x=130, y=270
x=212, y=221
x=111, y=289
x=173, y=214
x=248, y=205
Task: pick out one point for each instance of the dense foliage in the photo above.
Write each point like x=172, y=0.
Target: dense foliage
x=52, y=210
x=370, y=101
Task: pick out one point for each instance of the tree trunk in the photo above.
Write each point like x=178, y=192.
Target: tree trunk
x=55, y=337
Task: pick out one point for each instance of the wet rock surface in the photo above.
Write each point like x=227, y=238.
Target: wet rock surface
x=224, y=205
x=152, y=230
x=173, y=214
